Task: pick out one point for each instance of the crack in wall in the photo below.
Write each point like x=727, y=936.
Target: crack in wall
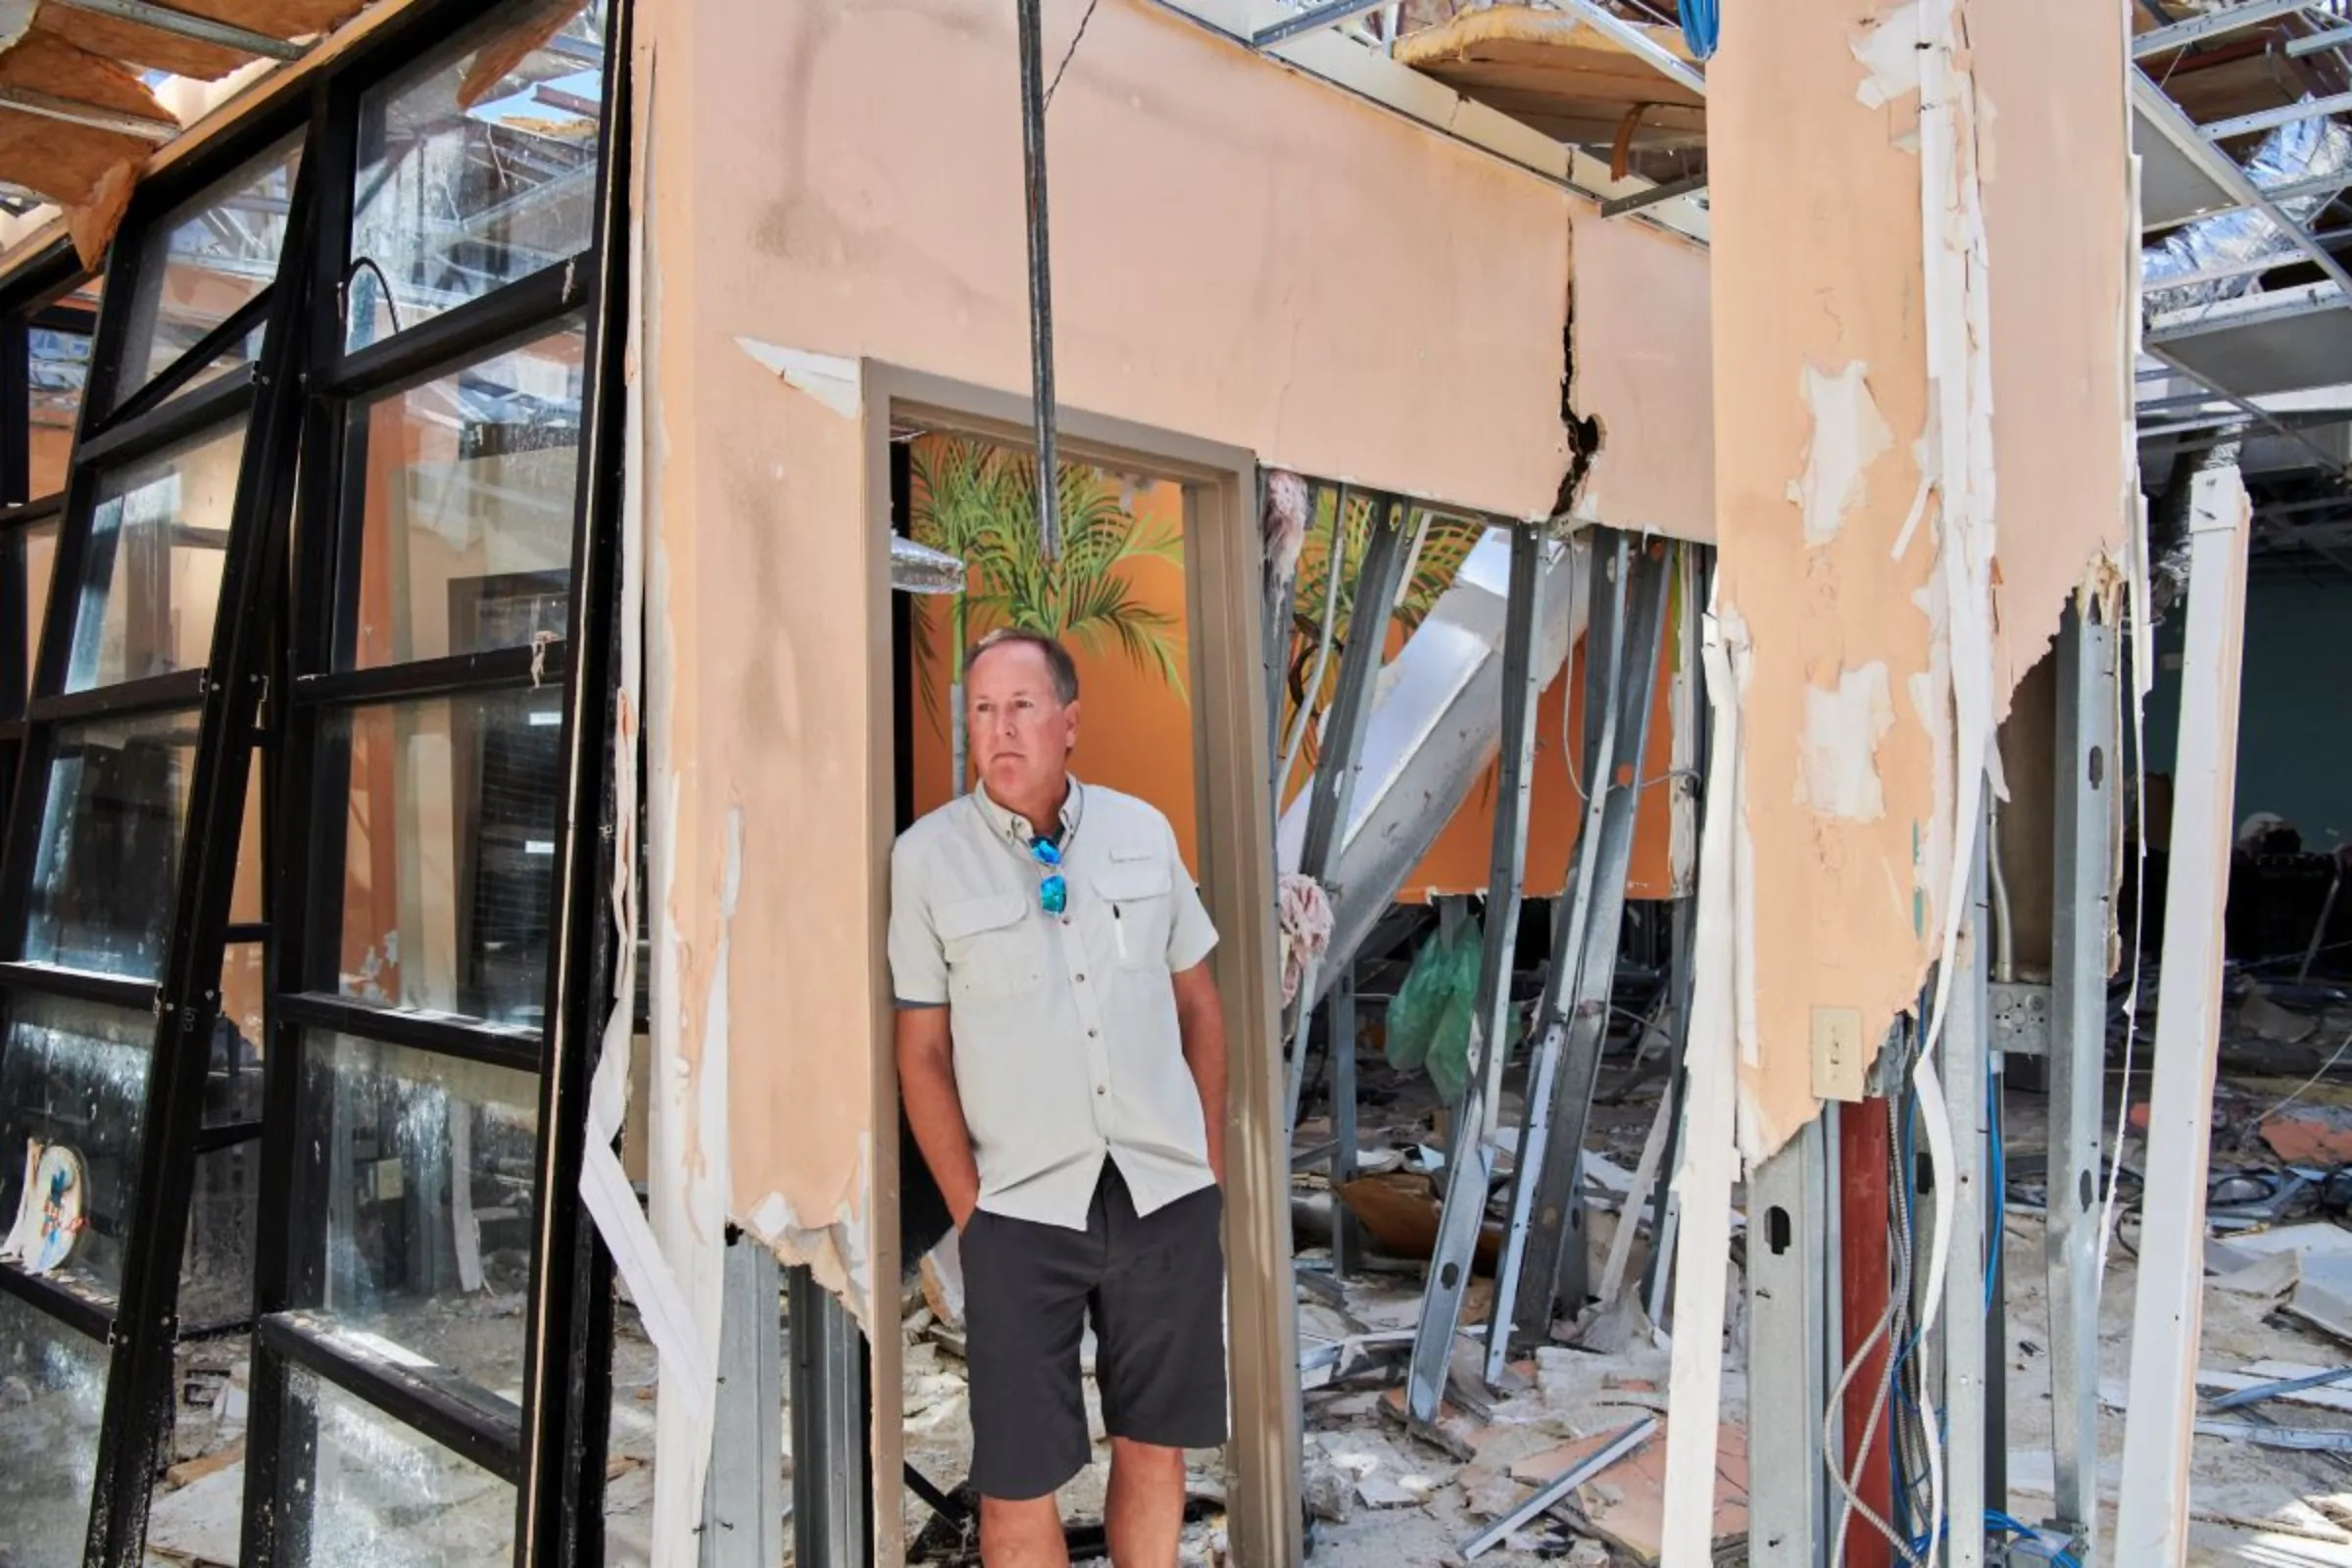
x=1583, y=431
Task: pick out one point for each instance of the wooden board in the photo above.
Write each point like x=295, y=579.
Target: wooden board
x=46, y=63
x=1552, y=71
x=1626, y=1503
x=150, y=48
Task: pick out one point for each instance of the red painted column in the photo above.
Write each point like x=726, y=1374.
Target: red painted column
x=1863, y=1153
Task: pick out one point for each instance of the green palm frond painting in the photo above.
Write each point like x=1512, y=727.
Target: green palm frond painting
x=978, y=500
x=1445, y=542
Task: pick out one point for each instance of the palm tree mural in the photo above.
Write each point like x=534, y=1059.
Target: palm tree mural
x=978, y=500
x=1439, y=543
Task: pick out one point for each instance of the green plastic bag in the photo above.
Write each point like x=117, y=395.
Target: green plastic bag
x=1430, y=1021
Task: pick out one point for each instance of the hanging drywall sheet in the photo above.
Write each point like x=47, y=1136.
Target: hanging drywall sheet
x=1640, y=327
x=1895, y=592
x=2054, y=140
x=1820, y=402
x=1241, y=253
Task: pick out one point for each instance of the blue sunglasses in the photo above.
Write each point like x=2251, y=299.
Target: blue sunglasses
x=1053, y=894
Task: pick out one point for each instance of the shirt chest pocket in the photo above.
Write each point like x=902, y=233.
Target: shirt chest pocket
x=991, y=946
x=1136, y=894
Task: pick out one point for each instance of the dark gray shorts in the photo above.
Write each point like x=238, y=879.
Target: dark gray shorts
x=1155, y=1288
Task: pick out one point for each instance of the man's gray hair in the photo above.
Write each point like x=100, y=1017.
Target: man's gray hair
x=1058, y=657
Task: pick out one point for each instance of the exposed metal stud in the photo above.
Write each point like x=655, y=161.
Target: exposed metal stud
x=2087, y=769
x=1551, y=1215
x=1966, y=1364
x=1315, y=18
x=743, y=1507
x=33, y=101
x=1640, y=43
x=1787, y=1274
x=828, y=1428
x=2214, y=24
x=2272, y=119
x=1470, y=1165
x=202, y=29
x=1330, y=792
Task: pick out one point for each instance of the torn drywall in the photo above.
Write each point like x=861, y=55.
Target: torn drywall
x=1859, y=507
x=1848, y=435
x=1843, y=725
x=1641, y=354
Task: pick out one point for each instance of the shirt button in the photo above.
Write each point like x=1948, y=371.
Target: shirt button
x=1091, y=1034
x=1082, y=979
x=1102, y=1088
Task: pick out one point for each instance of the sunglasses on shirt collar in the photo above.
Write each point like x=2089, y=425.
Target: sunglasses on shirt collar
x=1052, y=892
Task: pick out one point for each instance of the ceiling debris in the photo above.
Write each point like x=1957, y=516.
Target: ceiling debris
x=1556, y=72
x=79, y=117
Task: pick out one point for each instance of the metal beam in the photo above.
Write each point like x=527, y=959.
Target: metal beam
x=2220, y=274
x=2272, y=119
x=1554, y=1271
x=1315, y=18
x=203, y=29
x=1969, y=1359
x=1638, y=42
x=2214, y=24
x=743, y=1498
x=2258, y=413
x=2332, y=38
x=1470, y=1162
x=1788, y=1389
x=828, y=1427
x=2166, y=117
x=1619, y=206
x=1330, y=792
x=2087, y=770
x=2153, y=1510
x=48, y=106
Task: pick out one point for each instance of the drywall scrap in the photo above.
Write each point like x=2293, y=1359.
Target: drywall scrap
x=1897, y=554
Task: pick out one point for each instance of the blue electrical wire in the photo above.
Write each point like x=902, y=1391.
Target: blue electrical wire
x=1995, y=1520
x=1702, y=26
x=1994, y=1232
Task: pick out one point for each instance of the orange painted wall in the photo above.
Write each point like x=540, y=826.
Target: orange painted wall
x=1134, y=731
x=1135, y=734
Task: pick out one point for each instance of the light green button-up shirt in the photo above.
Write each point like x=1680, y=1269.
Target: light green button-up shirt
x=1067, y=1048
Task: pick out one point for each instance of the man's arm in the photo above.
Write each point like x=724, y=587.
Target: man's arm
x=1201, y=1022
x=934, y=1108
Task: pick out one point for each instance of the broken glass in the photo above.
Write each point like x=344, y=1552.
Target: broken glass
x=476, y=167
x=74, y=1080
x=449, y=854
x=52, y=1391
x=109, y=849
x=466, y=540
x=151, y=576
x=425, y=1201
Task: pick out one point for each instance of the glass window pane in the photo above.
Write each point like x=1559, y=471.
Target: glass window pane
x=60, y=364
x=109, y=849
x=52, y=1391
x=200, y=1522
x=476, y=167
x=72, y=1078
x=448, y=852
x=245, y=906
x=35, y=547
x=232, y=1090
x=215, y=1273
x=381, y=1494
x=425, y=1170
x=150, y=581
x=466, y=538
x=204, y=261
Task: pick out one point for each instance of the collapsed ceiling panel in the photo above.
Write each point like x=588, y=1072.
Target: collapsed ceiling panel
x=1549, y=71
x=2172, y=186
x=149, y=48
x=2267, y=351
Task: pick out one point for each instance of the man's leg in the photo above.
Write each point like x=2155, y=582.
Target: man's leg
x=1160, y=1363
x=1024, y=1305
x=1028, y=1535
x=1145, y=1519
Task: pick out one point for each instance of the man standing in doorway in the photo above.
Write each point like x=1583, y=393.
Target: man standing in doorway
x=1061, y=1053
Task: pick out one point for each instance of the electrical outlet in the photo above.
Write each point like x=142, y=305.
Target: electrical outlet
x=1838, y=1067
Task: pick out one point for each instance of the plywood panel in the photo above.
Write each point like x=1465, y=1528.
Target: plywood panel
x=1552, y=71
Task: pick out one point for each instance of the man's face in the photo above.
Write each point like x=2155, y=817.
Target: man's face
x=1021, y=732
